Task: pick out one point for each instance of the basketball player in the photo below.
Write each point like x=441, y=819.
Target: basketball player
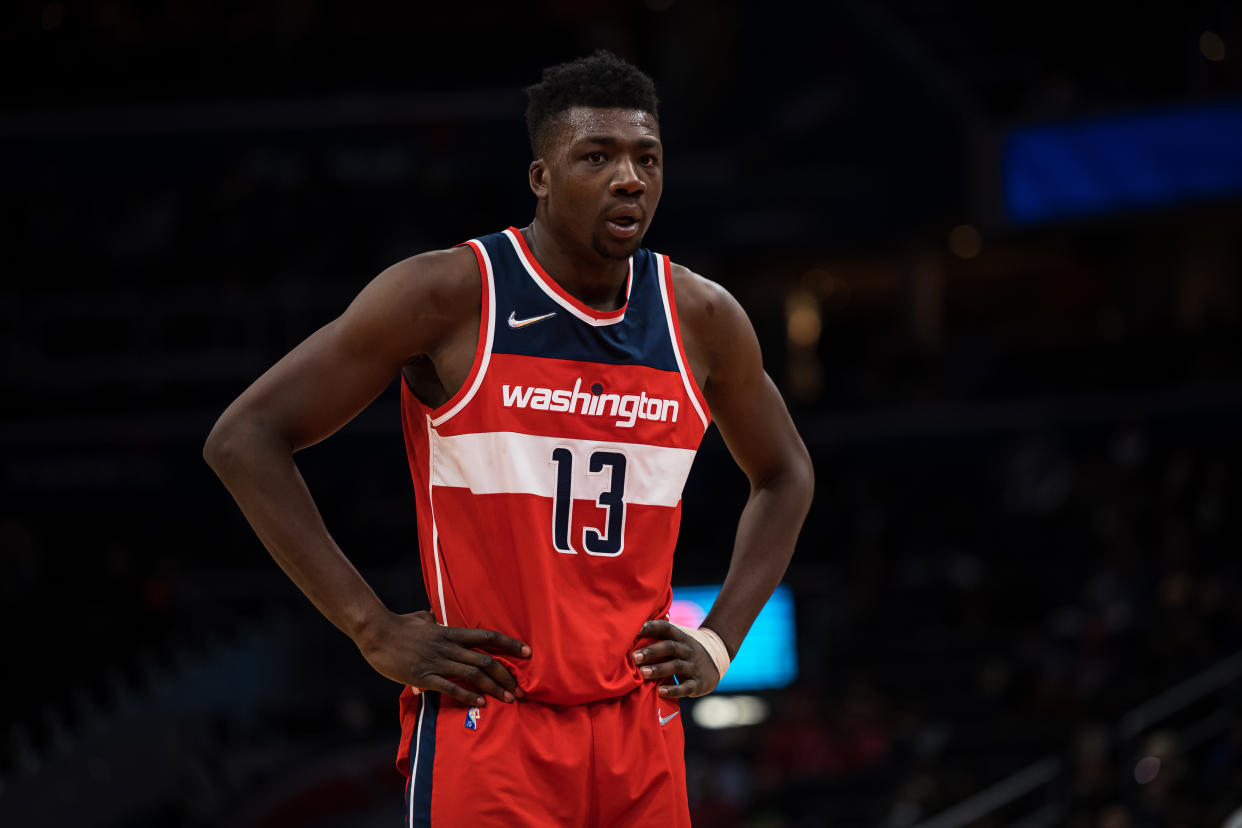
x=555, y=383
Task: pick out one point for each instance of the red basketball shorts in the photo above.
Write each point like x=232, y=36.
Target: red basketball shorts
x=616, y=762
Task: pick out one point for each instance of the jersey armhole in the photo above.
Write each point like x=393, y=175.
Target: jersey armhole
x=483, y=348
x=674, y=326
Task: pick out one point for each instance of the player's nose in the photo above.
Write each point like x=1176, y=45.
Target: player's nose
x=626, y=180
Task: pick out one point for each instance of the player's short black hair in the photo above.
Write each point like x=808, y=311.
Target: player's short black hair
x=601, y=79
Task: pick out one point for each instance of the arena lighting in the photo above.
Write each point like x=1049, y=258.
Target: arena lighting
x=1212, y=46
x=1147, y=769
x=1155, y=158
x=719, y=712
x=803, y=319
x=965, y=241
x=769, y=656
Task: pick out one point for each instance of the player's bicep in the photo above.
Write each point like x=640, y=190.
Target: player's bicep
x=337, y=371
x=317, y=387
x=745, y=403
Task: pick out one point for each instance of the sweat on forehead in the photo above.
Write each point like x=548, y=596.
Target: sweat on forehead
x=578, y=122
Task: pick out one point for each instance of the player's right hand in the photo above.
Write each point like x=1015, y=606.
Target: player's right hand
x=413, y=649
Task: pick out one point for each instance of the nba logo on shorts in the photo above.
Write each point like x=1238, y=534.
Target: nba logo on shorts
x=472, y=718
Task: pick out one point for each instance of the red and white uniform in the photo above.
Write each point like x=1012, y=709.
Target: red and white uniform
x=549, y=487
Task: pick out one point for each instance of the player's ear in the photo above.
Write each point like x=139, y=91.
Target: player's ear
x=539, y=178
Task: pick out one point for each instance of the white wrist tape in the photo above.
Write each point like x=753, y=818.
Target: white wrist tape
x=712, y=643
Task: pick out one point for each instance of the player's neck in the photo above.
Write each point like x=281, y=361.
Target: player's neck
x=596, y=281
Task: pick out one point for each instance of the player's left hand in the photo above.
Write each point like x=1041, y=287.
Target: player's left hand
x=676, y=654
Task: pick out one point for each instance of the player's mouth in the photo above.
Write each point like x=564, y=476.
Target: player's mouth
x=623, y=226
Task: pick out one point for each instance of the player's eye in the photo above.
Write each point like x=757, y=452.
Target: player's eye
x=648, y=161
x=595, y=157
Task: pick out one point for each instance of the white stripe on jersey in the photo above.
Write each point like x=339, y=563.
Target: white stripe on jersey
x=490, y=300
x=505, y=462
x=686, y=380
x=435, y=532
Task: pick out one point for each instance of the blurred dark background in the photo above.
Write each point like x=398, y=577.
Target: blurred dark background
x=1019, y=590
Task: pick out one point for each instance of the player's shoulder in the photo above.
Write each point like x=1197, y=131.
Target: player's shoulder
x=706, y=306
x=418, y=303
x=436, y=281
x=696, y=293
x=454, y=267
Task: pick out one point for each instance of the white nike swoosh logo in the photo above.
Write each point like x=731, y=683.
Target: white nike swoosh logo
x=514, y=322
x=666, y=719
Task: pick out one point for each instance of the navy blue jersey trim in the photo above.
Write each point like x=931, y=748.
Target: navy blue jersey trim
x=420, y=775
x=640, y=338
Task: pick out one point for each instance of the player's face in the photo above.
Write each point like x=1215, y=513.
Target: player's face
x=603, y=179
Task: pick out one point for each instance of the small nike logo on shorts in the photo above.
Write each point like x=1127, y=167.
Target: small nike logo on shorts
x=514, y=322
x=666, y=719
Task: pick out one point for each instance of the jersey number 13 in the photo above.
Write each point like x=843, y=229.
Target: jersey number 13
x=611, y=541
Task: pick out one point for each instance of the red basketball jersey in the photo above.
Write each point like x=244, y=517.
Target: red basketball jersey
x=549, y=487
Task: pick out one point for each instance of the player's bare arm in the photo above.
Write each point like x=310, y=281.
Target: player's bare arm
x=424, y=306
x=746, y=406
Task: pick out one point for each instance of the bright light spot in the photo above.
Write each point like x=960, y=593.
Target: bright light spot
x=716, y=712
x=965, y=241
x=1212, y=46
x=802, y=318
x=1146, y=769
x=687, y=613
x=53, y=15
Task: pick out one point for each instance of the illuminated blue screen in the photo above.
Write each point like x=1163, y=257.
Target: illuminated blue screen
x=769, y=655
x=1095, y=166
